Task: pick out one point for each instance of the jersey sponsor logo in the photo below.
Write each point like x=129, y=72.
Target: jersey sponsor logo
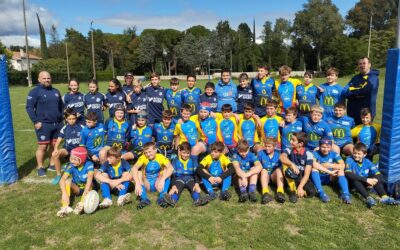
x=263, y=101
x=305, y=107
x=329, y=101
x=314, y=137
x=335, y=91
x=29, y=97
x=339, y=133
x=345, y=123
x=94, y=106
x=174, y=111
x=97, y=141
x=73, y=141
x=117, y=145
x=245, y=96
x=155, y=99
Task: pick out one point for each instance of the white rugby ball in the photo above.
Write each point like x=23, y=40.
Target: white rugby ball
x=91, y=202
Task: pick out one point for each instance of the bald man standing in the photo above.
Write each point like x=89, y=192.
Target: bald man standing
x=44, y=107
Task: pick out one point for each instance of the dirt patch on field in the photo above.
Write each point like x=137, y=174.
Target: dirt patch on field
x=124, y=217
x=292, y=229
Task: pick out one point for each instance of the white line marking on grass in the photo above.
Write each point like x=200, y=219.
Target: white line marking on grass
x=36, y=181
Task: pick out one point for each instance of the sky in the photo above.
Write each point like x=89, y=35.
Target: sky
x=113, y=16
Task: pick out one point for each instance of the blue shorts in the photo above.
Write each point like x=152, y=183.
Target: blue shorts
x=81, y=188
x=325, y=179
x=48, y=132
x=152, y=182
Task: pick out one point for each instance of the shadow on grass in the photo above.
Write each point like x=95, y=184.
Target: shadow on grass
x=26, y=168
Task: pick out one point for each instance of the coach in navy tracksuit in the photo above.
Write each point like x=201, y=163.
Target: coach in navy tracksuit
x=44, y=107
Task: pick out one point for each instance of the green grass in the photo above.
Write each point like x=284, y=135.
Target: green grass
x=29, y=211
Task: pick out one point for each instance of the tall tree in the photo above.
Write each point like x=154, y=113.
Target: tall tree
x=56, y=47
x=147, y=50
x=43, y=43
x=225, y=40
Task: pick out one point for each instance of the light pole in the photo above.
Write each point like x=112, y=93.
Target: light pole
x=93, y=61
x=165, y=53
x=66, y=55
x=112, y=63
x=26, y=48
x=369, y=38
x=209, y=58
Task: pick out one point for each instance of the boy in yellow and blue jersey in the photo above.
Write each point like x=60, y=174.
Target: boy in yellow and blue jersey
x=81, y=173
x=151, y=173
x=368, y=133
x=248, y=127
x=263, y=86
x=330, y=93
x=191, y=95
x=292, y=125
x=216, y=170
x=362, y=173
x=227, y=128
x=270, y=123
x=184, y=176
x=306, y=94
x=247, y=167
x=174, y=97
x=286, y=89
x=163, y=134
x=114, y=175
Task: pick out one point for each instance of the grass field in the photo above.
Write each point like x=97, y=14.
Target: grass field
x=28, y=209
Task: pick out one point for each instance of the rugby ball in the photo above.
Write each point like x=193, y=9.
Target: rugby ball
x=91, y=202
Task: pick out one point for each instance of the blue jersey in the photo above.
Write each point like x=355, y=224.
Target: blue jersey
x=174, y=101
x=153, y=169
x=207, y=129
x=262, y=93
x=341, y=129
x=114, y=99
x=212, y=100
x=115, y=172
x=94, y=102
x=286, y=92
x=192, y=97
x=182, y=168
x=248, y=130
x=117, y=133
x=315, y=131
x=71, y=136
x=288, y=130
x=332, y=94
x=164, y=137
x=93, y=138
x=300, y=158
x=79, y=174
x=187, y=131
x=247, y=162
x=74, y=102
x=269, y=163
x=245, y=95
x=141, y=136
x=364, y=169
x=155, y=107
x=306, y=97
x=226, y=94
x=138, y=102
x=367, y=134
x=331, y=157
x=127, y=88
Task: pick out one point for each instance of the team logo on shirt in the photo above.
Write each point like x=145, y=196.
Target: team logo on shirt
x=338, y=133
x=329, y=101
x=160, y=94
x=120, y=98
x=97, y=99
x=79, y=98
x=56, y=94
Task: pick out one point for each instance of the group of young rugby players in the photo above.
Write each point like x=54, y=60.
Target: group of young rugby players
x=282, y=132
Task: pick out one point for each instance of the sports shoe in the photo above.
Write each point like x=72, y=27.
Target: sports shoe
x=388, y=201
x=225, y=195
x=169, y=200
x=346, y=198
x=124, y=199
x=370, y=202
x=280, y=197
x=162, y=203
x=106, y=203
x=243, y=197
x=212, y=196
x=56, y=180
x=324, y=197
x=266, y=198
x=41, y=172
x=143, y=203
x=293, y=197
x=78, y=208
x=252, y=197
x=64, y=211
x=200, y=202
x=51, y=168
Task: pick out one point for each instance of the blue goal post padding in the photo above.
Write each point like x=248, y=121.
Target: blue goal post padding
x=389, y=157
x=8, y=163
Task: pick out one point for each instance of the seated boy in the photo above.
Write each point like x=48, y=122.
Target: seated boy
x=151, y=173
x=248, y=127
x=247, y=167
x=92, y=137
x=297, y=164
x=206, y=128
x=184, y=177
x=291, y=126
x=81, y=172
x=163, y=133
x=362, y=173
x=215, y=170
x=272, y=171
x=113, y=175
x=328, y=167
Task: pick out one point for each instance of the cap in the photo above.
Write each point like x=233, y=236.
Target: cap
x=142, y=114
x=119, y=107
x=128, y=74
x=325, y=141
x=81, y=153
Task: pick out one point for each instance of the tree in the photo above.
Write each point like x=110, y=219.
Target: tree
x=318, y=23
x=43, y=43
x=198, y=31
x=225, y=40
x=147, y=50
x=243, y=49
x=51, y=65
x=56, y=47
x=192, y=51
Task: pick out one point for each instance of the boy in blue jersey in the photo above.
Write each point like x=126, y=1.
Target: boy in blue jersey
x=306, y=94
x=216, y=170
x=286, y=89
x=174, y=97
x=247, y=167
x=114, y=97
x=114, y=176
x=75, y=100
x=226, y=91
x=184, y=177
x=248, y=127
x=291, y=126
x=245, y=93
x=155, y=98
x=362, y=173
x=263, y=86
x=271, y=172
x=368, y=133
x=81, y=172
x=328, y=167
x=70, y=135
x=151, y=173
x=95, y=101
x=163, y=134
x=117, y=132
x=209, y=96
x=297, y=165
x=341, y=126
x=138, y=101
x=92, y=137
x=330, y=93
x=191, y=95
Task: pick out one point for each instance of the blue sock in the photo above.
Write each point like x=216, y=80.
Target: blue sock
x=242, y=189
x=195, y=195
x=252, y=188
x=125, y=190
x=195, y=160
x=143, y=197
x=105, y=190
x=344, y=186
x=208, y=186
x=175, y=197
x=226, y=183
x=317, y=181
x=165, y=189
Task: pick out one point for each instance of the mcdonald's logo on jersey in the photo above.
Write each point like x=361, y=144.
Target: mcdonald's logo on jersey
x=117, y=145
x=314, y=137
x=329, y=101
x=193, y=106
x=305, y=107
x=263, y=101
x=165, y=147
x=339, y=133
x=173, y=111
x=97, y=141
